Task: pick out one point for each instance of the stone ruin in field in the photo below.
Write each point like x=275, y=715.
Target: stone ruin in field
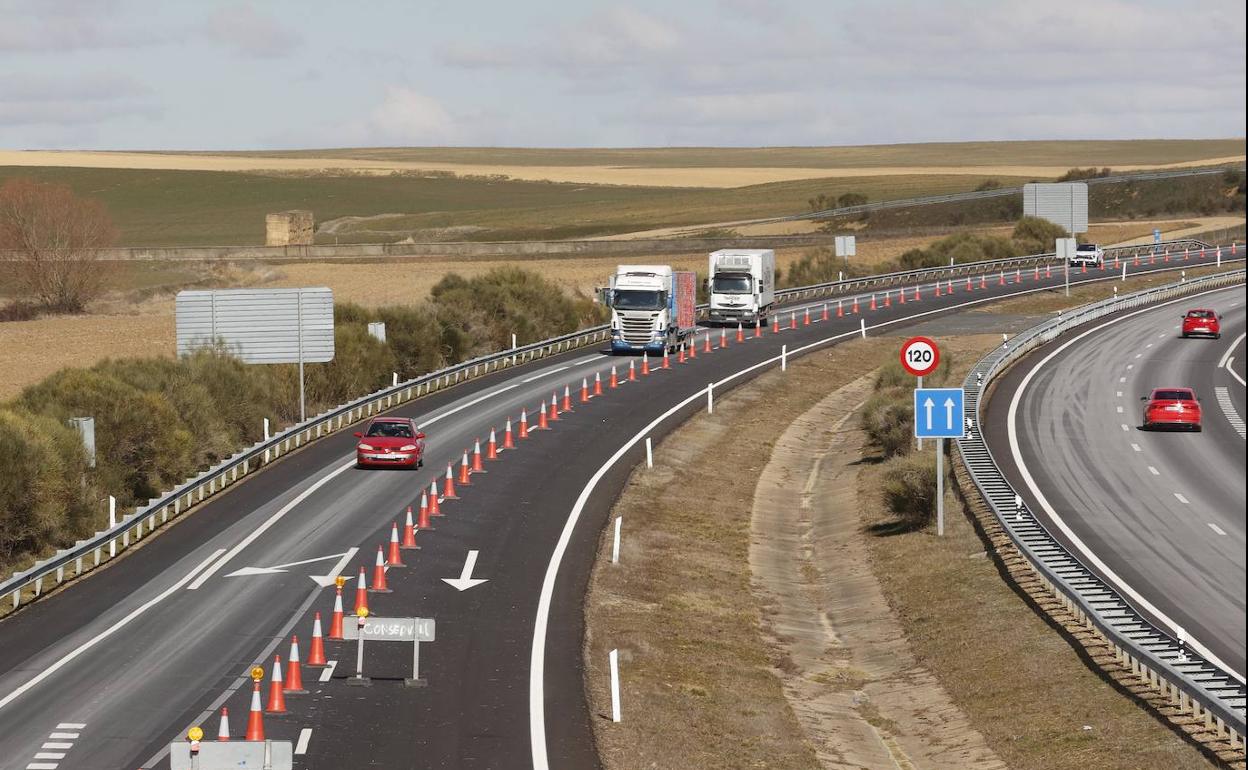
x=288, y=228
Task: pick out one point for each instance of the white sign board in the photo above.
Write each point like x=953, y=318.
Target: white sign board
x=260, y=326
x=1065, y=249
x=846, y=245
x=232, y=755
x=1063, y=203
x=378, y=629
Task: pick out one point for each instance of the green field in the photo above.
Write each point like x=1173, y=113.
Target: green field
x=201, y=208
x=954, y=154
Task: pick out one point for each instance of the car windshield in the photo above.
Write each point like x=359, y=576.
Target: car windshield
x=1200, y=314
x=732, y=283
x=638, y=299
x=1172, y=395
x=390, y=429
x=1086, y=247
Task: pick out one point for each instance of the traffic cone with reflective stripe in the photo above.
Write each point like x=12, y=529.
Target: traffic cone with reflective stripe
x=1018, y=275
x=969, y=286
x=463, y=480
x=223, y=732
x=693, y=349
x=316, y=655
x=614, y=382
x=853, y=309
x=949, y=287
x=335, y=620
x=1048, y=271
x=597, y=383
x=723, y=338
x=448, y=486
x=409, y=530
x=277, y=697
x=491, y=448
x=840, y=311
x=435, y=508
x=758, y=328
x=645, y=363
x=422, y=523
x=706, y=342
x=632, y=371
x=983, y=281
x=1115, y=263
x=524, y=424
x=680, y=354
x=872, y=306
x=361, y=591
x=294, y=671
x=393, y=557
x=1152, y=258
x=937, y=289
x=508, y=441
x=584, y=391
x=542, y=422
x=554, y=407
x=775, y=324
x=1136, y=263
x=888, y=298
x=793, y=320
x=1084, y=268
x=1036, y=277
x=567, y=399
x=255, y=717
x=825, y=311
x=666, y=364
x=477, y=467
x=901, y=296
x=379, y=575
x=740, y=332
x=806, y=316
x=917, y=296
x=1001, y=279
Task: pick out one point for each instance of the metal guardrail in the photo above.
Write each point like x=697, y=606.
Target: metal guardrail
x=1159, y=658
x=87, y=554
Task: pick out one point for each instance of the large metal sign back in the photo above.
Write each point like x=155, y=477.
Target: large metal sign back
x=1062, y=203
x=260, y=326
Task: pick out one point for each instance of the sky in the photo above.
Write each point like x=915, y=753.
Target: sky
x=183, y=74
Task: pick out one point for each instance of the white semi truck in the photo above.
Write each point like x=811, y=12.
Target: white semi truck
x=652, y=308
x=742, y=285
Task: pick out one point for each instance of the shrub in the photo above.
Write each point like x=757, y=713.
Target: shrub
x=988, y=184
x=888, y=421
x=909, y=488
x=1076, y=174
x=1033, y=235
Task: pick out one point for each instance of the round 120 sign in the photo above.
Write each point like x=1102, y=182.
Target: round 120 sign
x=920, y=356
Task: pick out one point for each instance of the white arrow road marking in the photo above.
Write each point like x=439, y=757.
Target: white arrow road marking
x=325, y=581
x=280, y=568
x=465, y=579
x=927, y=408
x=328, y=673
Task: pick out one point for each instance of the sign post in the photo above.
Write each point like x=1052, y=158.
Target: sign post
x=939, y=413
x=846, y=246
x=1065, y=248
x=379, y=629
x=920, y=356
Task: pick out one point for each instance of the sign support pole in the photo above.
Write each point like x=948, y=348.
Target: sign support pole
x=940, y=487
x=302, y=411
x=415, y=681
x=916, y=417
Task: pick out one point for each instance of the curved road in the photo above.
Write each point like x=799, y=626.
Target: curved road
x=104, y=673
x=1164, y=511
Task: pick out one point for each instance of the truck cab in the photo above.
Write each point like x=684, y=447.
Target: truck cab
x=741, y=285
x=652, y=308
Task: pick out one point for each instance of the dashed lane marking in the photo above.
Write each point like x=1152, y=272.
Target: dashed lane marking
x=1136, y=447
x=59, y=742
x=1217, y=529
x=1154, y=471
x=1122, y=379
x=1126, y=427
x=1182, y=499
x=1120, y=410
x=1228, y=409
x=328, y=673
x=305, y=735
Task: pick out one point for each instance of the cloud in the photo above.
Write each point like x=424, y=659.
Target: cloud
x=407, y=117
x=40, y=100
x=67, y=26
x=251, y=32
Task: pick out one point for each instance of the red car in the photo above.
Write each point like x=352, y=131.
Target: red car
x=390, y=442
x=1172, y=408
x=1202, y=321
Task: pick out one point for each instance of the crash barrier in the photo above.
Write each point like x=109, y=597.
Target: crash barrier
x=1161, y=658
x=86, y=555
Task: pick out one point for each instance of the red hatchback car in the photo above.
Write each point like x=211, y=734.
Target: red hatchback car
x=1171, y=408
x=1202, y=321
x=390, y=442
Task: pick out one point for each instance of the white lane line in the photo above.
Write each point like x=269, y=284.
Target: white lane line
x=1154, y=471
x=42, y=766
x=1092, y=559
x=543, y=374
x=50, y=755
x=1136, y=447
x=305, y=735
x=1182, y=499
x=104, y=634
x=1126, y=427
x=1120, y=410
x=51, y=745
x=64, y=736
x=1217, y=529
x=71, y=725
x=1118, y=394
x=1228, y=409
x=328, y=673
x=1149, y=345
x=1139, y=355
x=1130, y=366
x=1122, y=379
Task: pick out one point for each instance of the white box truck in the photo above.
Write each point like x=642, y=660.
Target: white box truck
x=741, y=284
x=652, y=308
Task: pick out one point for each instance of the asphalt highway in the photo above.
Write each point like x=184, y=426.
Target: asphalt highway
x=108, y=671
x=1164, y=511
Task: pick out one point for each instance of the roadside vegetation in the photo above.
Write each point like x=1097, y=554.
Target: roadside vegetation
x=159, y=420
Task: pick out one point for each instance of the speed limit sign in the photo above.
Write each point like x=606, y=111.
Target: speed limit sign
x=920, y=356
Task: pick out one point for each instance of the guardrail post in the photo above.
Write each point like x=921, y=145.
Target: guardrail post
x=112, y=522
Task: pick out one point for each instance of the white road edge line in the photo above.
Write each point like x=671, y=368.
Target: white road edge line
x=101, y=636
x=1043, y=501
x=1225, y=363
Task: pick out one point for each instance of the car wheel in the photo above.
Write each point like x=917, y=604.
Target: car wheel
x=1183, y=335
x=1218, y=336
x=1197, y=428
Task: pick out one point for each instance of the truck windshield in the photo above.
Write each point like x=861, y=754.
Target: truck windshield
x=638, y=299
x=732, y=283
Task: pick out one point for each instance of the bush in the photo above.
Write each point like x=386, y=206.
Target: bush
x=988, y=184
x=1033, y=235
x=888, y=421
x=909, y=488
x=1076, y=174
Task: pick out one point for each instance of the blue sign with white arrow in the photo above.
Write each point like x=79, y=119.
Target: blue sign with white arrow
x=939, y=412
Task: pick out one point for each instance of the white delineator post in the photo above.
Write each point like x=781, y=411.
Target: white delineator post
x=112, y=522
x=615, y=541
x=649, y=454
x=1124, y=270
x=784, y=357
x=710, y=397
x=266, y=428
x=614, y=658
x=862, y=325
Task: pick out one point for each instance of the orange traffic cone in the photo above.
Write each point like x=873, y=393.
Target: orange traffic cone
x=435, y=509
x=707, y=342
x=294, y=671
x=316, y=655
x=917, y=296
x=1083, y=268
x=793, y=320
x=949, y=287
x=758, y=329
x=888, y=298
x=614, y=382
x=464, y=470
x=740, y=332
x=1137, y=260
x=277, y=697
x=255, y=717
x=872, y=305
x=666, y=364
x=477, y=467
x=567, y=399
x=1018, y=275
x=853, y=309
x=840, y=311
x=1036, y=277
x=393, y=557
x=825, y=311
x=335, y=620
x=524, y=424
x=1001, y=279
x=597, y=383
x=491, y=448
x=542, y=423
x=806, y=316
x=775, y=324
x=409, y=529
x=680, y=354
x=969, y=285
x=584, y=391
x=901, y=296
x=1048, y=271
x=693, y=349
x=448, y=486
x=508, y=440
x=645, y=363
x=937, y=288
x=983, y=281
x=723, y=339
x=223, y=732
x=422, y=523
x=379, y=575
x=554, y=407
x=632, y=371
x=361, y=591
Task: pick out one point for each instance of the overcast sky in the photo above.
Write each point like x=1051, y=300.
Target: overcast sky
x=176, y=74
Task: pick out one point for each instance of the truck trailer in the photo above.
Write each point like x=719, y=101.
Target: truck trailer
x=652, y=308
x=741, y=284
